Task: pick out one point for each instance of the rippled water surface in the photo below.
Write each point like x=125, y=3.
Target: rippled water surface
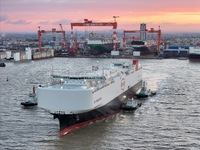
x=169, y=120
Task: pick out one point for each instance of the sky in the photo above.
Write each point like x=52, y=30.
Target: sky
x=170, y=15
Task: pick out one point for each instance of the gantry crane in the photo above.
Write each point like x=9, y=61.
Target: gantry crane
x=40, y=32
x=91, y=23
x=158, y=32
x=128, y=38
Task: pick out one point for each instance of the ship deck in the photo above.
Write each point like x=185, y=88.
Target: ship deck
x=94, y=80
x=68, y=87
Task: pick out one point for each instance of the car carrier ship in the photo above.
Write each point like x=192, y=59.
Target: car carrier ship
x=77, y=100
x=100, y=46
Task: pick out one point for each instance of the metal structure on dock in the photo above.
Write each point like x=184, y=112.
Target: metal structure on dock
x=73, y=47
x=40, y=32
x=143, y=31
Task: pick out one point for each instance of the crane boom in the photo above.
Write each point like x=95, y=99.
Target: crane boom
x=90, y=23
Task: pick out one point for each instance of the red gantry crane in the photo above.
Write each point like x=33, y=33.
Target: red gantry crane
x=158, y=32
x=40, y=32
x=90, y=23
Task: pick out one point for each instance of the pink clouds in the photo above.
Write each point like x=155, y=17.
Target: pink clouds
x=47, y=13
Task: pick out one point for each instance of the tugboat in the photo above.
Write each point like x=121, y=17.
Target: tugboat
x=31, y=101
x=130, y=105
x=144, y=92
x=2, y=64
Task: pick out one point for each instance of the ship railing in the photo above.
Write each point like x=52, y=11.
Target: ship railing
x=58, y=77
x=76, y=80
x=98, y=88
x=103, y=85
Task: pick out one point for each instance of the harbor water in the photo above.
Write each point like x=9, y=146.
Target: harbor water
x=168, y=120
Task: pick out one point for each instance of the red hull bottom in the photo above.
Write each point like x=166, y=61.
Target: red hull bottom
x=65, y=131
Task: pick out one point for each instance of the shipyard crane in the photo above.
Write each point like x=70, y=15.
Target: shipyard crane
x=130, y=38
x=40, y=32
x=91, y=23
x=158, y=32
x=64, y=38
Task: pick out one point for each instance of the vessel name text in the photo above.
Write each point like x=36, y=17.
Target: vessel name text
x=97, y=100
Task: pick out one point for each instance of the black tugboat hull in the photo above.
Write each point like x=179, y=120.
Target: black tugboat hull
x=28, y=104
x=2, y=65
x=129, y=108
x=141, y=96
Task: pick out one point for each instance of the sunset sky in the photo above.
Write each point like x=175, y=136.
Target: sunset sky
x=170, y=15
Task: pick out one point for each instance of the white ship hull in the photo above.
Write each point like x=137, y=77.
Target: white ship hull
x=74, y=101
x=78, y=104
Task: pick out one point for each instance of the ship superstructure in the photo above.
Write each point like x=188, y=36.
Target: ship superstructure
x=80, y=99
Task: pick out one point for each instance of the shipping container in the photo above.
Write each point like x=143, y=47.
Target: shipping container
x=183, y=51
x=173, y=47
x=170, y=51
